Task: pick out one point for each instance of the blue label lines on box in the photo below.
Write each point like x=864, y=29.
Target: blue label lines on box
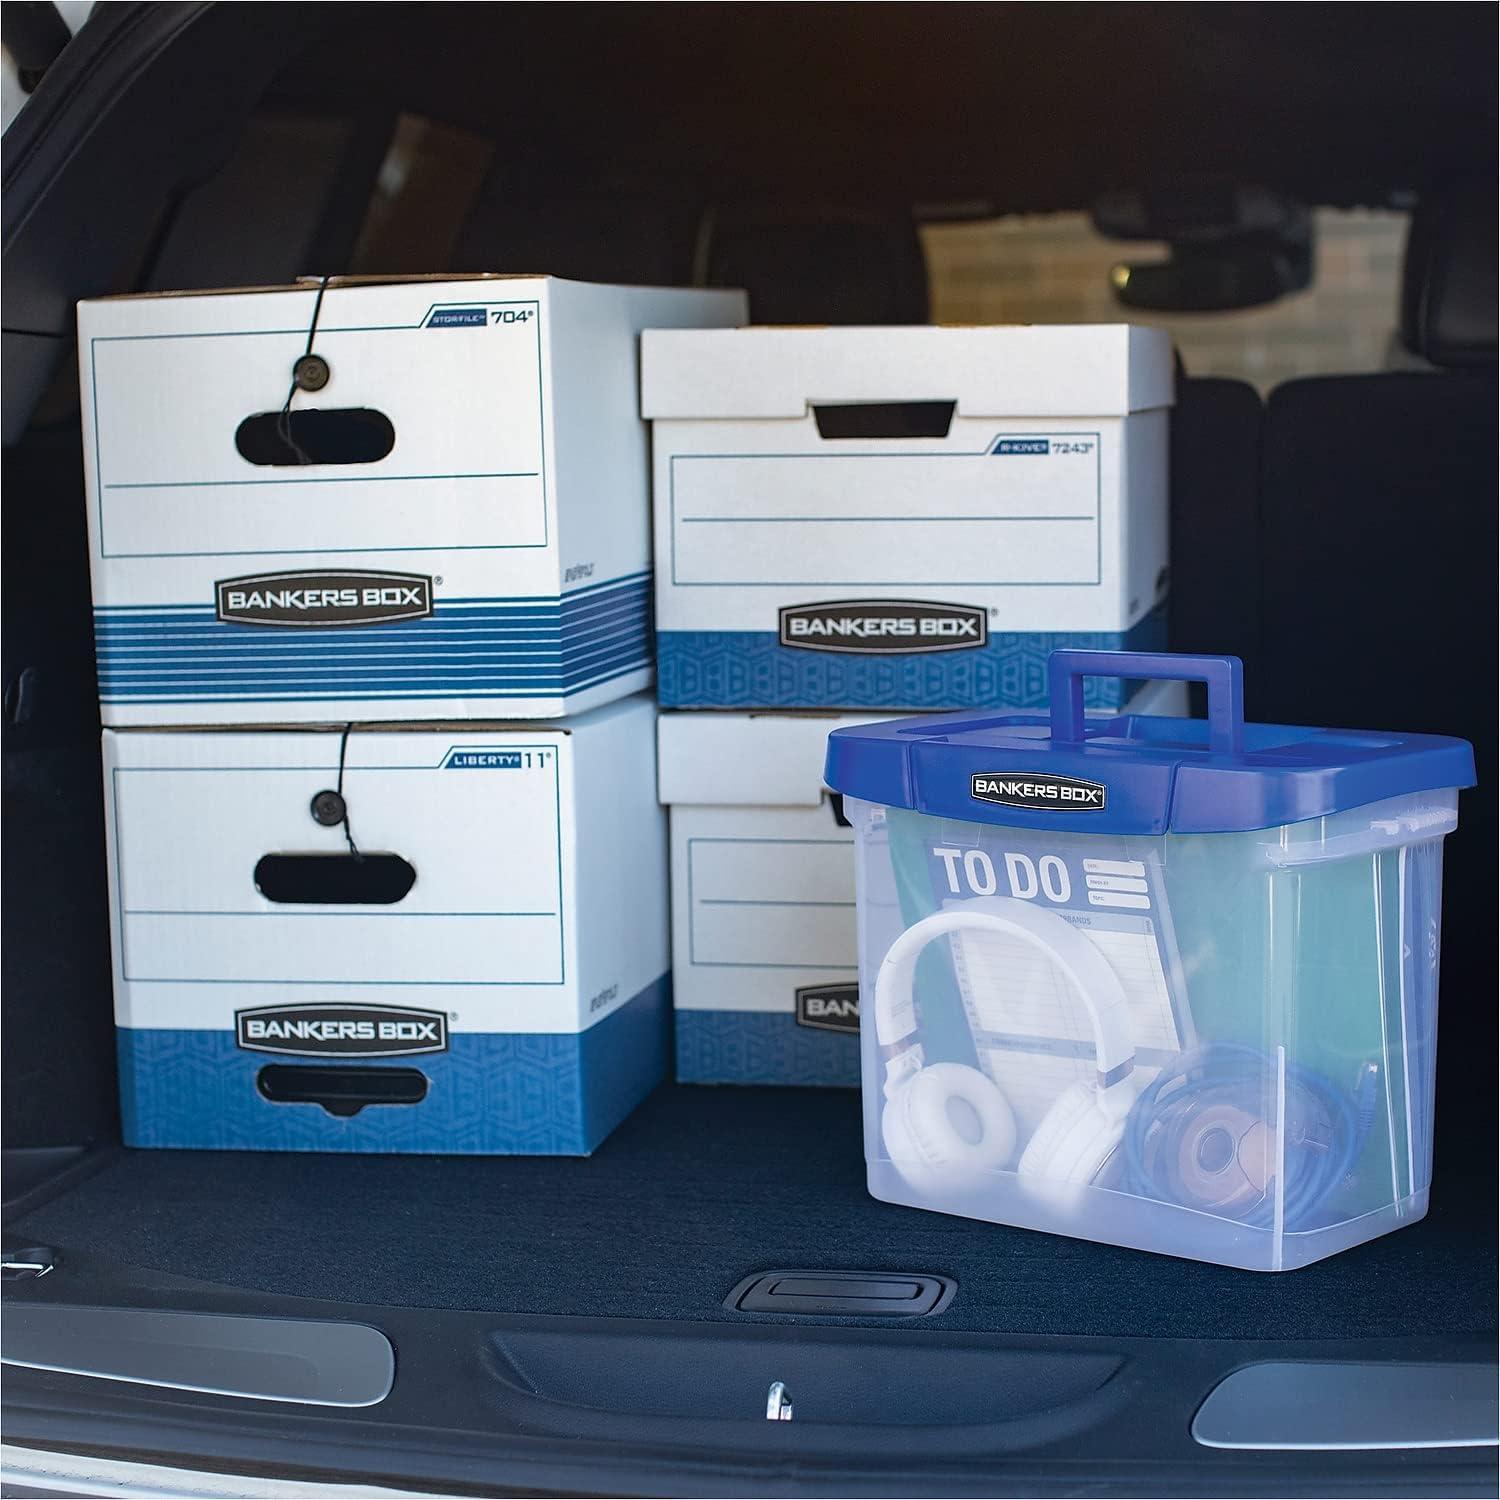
x=751, y=668
x=482, y=648
x=487, y=1092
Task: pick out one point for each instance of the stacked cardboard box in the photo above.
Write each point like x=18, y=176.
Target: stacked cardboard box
x=371, y=570
x=867, y=520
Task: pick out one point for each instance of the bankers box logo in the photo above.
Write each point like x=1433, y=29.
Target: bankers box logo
x=341, y=1030
x=891, y=626
x=829, y=1007
x=1038, y=791
x=322, y=599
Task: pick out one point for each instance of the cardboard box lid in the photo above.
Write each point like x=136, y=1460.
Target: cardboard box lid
x=365, y=282
x=747, y=759
x=1012, y=371
x=332, y=284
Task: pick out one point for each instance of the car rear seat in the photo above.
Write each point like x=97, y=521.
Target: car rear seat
x=1378, y=579
x=1214, y=604
x=798, y=265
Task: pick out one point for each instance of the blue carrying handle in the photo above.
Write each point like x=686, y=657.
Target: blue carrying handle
x=1224, y=675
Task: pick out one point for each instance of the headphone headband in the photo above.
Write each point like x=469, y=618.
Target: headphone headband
x=1092, y=978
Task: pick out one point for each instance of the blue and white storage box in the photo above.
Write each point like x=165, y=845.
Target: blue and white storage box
x=399, y=938
x=1156, y=982
x=903, y=518
x=421, y=498
x=765, y=984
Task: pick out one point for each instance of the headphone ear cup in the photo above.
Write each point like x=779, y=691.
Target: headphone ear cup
x=933, y=1150
x=1076, y=1138
x=1083, y=1151
x=1067, y=1109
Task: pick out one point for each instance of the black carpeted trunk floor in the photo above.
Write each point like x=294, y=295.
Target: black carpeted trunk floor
x=700, y=1188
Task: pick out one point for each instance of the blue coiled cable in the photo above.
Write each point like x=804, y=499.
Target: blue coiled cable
x=1325, y=1133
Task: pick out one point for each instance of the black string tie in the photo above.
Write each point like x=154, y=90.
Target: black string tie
x=309, y=373
x=331, y=809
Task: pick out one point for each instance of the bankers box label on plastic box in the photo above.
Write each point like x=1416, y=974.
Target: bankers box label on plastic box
x=1038, y=790
x=449, y=521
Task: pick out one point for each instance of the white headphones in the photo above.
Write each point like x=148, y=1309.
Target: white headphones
x=948, y=1125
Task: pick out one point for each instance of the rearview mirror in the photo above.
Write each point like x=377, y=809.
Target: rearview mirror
x=1228, y=246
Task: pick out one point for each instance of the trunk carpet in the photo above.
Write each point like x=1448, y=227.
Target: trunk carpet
x=699, y=1188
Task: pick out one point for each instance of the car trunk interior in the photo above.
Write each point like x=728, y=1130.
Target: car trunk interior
x=566, y=1324
x=699, y=1188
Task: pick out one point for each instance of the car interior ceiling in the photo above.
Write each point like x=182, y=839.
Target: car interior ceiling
x=1339, y=536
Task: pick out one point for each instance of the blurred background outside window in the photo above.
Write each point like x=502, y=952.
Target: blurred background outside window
x=1054, y=268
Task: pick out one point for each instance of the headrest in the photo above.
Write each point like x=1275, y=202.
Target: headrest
x=820, y=268
x=1448, y=304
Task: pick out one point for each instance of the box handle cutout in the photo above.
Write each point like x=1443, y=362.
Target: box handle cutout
x=334, y=879
x=333, y=435
x=836, y=804
x=884, y=419
x=341, y=1091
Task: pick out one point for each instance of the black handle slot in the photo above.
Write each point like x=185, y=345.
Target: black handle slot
x=334, y=879
x=334, y=435
x=885, y=419
x=342, y=1091
x=836, y=802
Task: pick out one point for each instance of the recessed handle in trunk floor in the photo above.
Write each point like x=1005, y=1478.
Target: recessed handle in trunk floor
x=842, y=1294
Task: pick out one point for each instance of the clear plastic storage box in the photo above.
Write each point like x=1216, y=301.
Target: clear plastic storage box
x=1155, y=982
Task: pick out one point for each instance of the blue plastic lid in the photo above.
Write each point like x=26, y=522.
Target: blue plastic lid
x=1133, y=773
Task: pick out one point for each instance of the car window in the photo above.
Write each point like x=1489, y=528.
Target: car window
x=1055, y=268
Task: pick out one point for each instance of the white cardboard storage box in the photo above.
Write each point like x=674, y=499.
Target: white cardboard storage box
x=907, y=518
x=453, y=525
x=505, y=992
x=765, y=975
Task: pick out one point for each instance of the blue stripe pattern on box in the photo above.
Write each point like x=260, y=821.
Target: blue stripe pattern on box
x=746, y=1046
x=489, y=1093
x=752, y=669
x=468, y=648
